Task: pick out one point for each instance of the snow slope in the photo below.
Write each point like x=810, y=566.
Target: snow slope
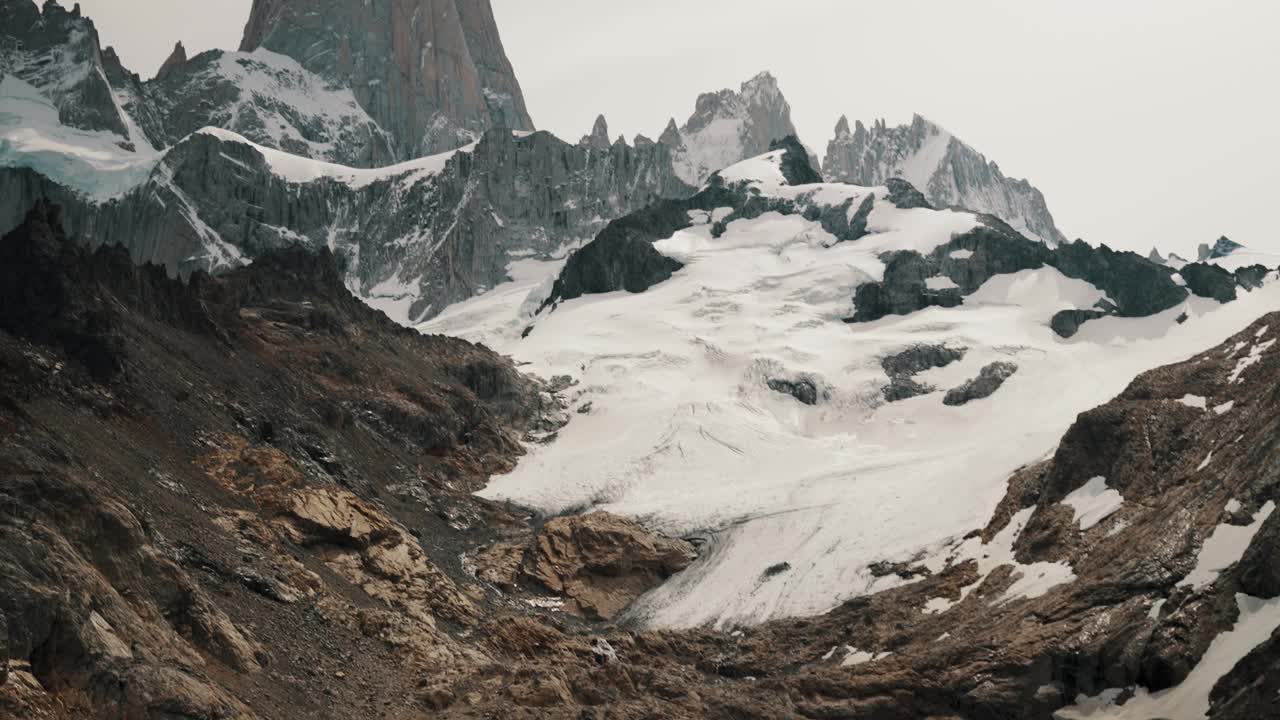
x=684, y=434
x=92, y=162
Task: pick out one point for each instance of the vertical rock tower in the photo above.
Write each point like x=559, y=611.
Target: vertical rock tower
x=432, y=73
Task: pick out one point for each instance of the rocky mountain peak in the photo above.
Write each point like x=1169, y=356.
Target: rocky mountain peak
x=433, y=73
x=1223, y=247
x=671, y=135
x=599, y=137
x=728, y=126
x=946, y=170
x=176, y=60
x=842, y=127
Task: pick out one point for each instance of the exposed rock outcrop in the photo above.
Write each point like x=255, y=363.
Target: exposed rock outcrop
x=602, y=562
x=903, y=366
x=1209, y=281
x=803, y=390
x=1134, y=285
x=989, y=379
x=56, y=50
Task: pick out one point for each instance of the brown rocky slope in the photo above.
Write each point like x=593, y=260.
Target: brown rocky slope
x=249, y=497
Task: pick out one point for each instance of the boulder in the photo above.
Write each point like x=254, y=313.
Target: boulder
x=803, y=390
x=602, y=562
x=1067, y=322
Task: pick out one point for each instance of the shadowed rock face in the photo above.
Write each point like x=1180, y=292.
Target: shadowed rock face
x=433, y=73
x=1209, y=281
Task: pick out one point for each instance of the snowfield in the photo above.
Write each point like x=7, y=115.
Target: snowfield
x=684, y=434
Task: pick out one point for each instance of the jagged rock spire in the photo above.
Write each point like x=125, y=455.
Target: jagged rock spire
x=671, y=135
x=842, y=126
x=599, y=137
x=176, y=60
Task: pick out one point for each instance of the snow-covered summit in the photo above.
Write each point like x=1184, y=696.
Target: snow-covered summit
x=946, y=170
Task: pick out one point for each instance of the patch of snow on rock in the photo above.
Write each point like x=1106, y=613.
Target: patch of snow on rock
x=1188, y=700
x=1093, y=502
x=1224, y=548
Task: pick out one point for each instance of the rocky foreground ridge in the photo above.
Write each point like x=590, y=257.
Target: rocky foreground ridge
x=281, y=523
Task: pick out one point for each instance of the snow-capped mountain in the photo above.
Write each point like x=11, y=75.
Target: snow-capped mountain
x=807, y=376
x=947, y=171
x=432, y=73
x=728, y=126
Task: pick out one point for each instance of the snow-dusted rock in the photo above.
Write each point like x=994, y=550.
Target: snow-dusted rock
x=727, y=127
x=947, y=171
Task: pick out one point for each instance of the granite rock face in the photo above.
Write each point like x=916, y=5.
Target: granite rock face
x=947, y=171
x=432, y=73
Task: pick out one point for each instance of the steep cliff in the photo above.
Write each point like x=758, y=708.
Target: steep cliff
x=432, y=73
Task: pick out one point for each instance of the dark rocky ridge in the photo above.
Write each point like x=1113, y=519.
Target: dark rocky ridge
x=1135, y=286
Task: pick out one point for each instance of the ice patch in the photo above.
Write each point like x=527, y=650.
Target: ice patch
x=1093, y=502
x=1224, y=548
x=854, y=656
x=1225, y=407
x=1194, y=401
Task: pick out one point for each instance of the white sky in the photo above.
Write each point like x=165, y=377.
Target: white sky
x=1145, y=122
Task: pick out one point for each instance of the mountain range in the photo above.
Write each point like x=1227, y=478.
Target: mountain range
x=332, y=388
x=130, y=162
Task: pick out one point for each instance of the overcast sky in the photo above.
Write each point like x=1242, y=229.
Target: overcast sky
x=1145, y=122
